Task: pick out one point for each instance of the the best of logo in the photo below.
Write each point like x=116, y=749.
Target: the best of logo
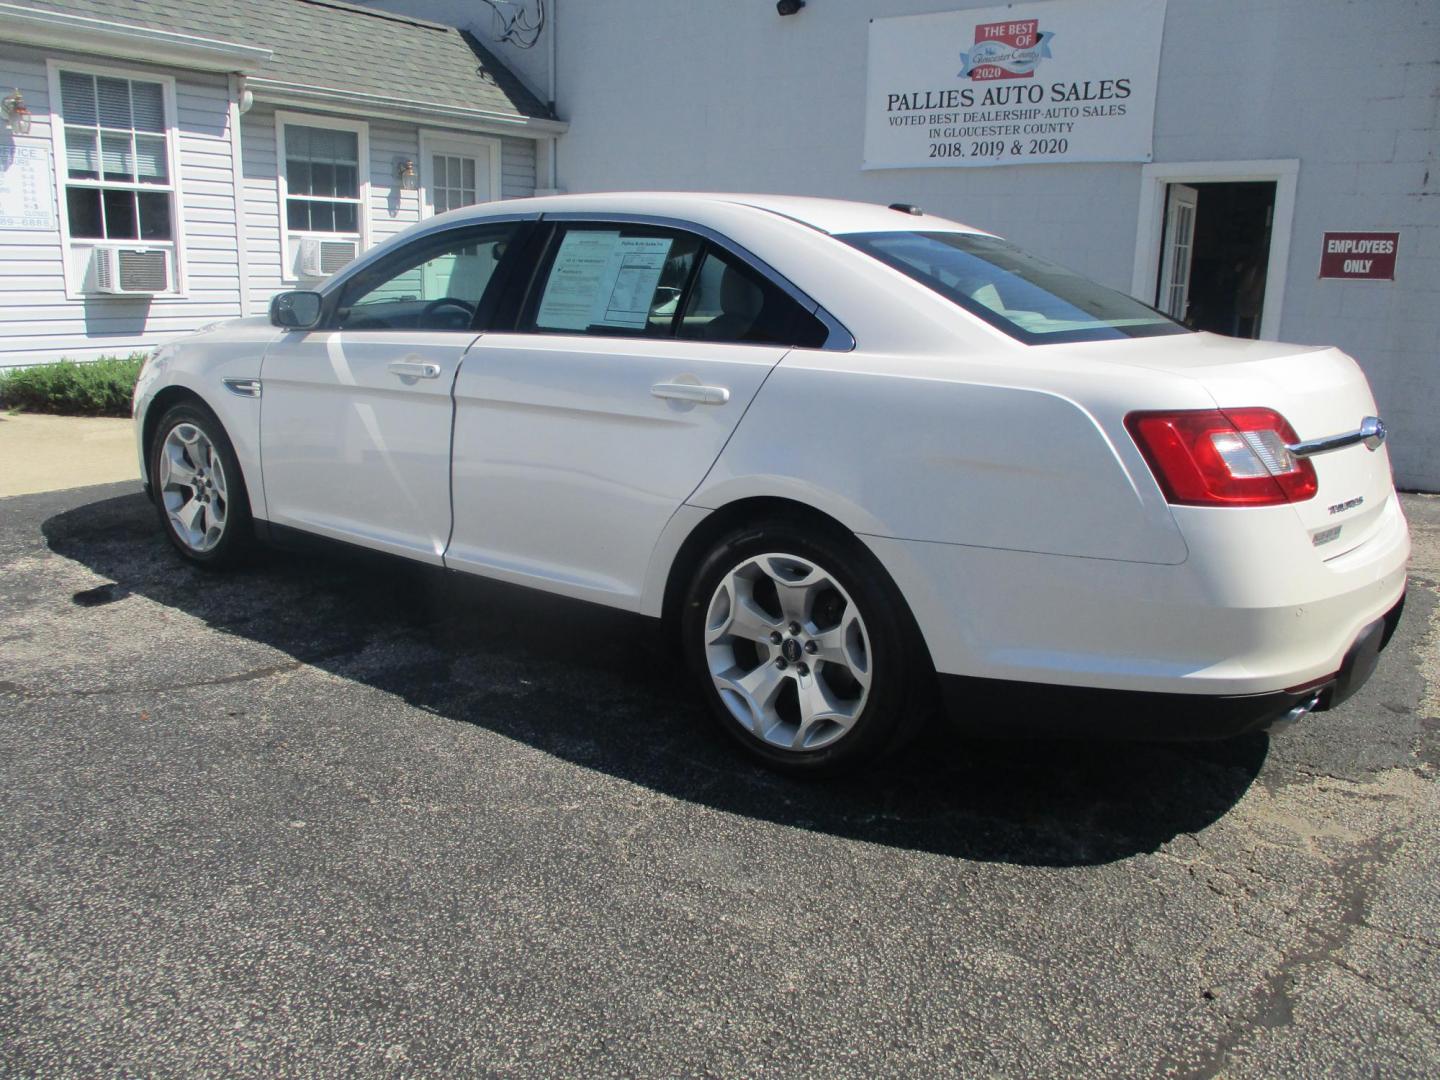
x=1006, y=50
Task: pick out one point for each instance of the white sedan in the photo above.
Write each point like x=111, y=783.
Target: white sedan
x=861, y=459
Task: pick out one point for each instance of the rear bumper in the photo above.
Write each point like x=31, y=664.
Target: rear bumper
x=1253, y=610
x=1002, y=708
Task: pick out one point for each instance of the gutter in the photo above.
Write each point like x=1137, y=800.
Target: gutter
x=80, y=33
x=351, y=102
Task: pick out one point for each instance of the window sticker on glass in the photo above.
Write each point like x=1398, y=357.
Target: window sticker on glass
x=575, y=280
x=602, y=279
x=630, y=279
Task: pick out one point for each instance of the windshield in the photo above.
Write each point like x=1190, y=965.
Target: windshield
x=1025, y=296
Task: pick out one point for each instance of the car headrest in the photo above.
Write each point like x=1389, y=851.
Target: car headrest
x=739, y=295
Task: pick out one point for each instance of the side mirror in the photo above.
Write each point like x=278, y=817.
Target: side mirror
x=299, y=310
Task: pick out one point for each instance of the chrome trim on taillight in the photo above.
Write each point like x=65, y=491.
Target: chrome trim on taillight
x=1371, y=432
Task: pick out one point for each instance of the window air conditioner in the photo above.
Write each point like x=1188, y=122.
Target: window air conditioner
x=321, y=258
x=130, y=271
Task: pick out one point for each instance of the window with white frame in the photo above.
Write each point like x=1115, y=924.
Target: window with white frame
x=117, y=158
x=452, y=183
x=322, y=180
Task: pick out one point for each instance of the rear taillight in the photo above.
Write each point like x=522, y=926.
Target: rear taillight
x=1237, y=457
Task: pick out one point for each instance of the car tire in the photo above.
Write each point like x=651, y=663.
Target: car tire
x=198, y=489
x=805, y=651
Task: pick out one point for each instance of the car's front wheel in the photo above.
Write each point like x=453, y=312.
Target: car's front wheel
x=803, y=647
x=199, y=491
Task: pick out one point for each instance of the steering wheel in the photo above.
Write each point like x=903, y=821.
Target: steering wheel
x=447, y=301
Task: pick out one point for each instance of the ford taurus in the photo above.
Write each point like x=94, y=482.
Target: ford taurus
x=862, y=459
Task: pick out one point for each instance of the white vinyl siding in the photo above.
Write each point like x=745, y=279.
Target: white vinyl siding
x=391, y=207
x=32, y=270
x=261, y=184
x=517, y=168
x=38, y=321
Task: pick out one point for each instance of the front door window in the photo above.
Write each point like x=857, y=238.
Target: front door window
x=435, y=284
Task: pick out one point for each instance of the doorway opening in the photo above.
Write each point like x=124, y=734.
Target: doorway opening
x=1240, y=211
x=1215, y=254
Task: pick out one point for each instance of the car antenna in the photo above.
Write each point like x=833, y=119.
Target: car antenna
x=907, y=208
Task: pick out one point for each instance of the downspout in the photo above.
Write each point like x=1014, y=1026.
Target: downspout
x=554, y=139
x=240, y=99
x=553, y=5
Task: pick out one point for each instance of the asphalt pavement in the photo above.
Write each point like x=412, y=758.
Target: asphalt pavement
x=340, y=816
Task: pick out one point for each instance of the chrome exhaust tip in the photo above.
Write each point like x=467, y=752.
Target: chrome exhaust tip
x=1291, y=718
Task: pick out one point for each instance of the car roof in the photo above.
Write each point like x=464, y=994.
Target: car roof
x=826, y=215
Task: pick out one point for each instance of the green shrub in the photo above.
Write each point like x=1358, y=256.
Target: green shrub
x=95, y=388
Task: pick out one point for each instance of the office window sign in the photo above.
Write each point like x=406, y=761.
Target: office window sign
x=1027, y=84
x=27, y=189
x=1359, y=256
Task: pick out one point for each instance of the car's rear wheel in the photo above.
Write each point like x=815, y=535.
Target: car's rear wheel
x=199, y=491
x=804, y=649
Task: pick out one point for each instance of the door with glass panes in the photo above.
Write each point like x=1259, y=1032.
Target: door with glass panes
x=458, y=172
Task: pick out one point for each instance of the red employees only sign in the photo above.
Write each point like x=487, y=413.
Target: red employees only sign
x=1359, y=256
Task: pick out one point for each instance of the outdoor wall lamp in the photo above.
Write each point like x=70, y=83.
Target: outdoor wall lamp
x=405, y=173
x=789, y=7
x=17, y=113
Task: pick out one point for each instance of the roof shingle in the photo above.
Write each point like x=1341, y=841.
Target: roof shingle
x=337, y=46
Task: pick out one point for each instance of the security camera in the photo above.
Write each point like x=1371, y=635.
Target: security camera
x=789, y=7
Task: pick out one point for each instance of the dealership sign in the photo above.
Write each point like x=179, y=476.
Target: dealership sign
x=1017, y=85
x=1359, y=256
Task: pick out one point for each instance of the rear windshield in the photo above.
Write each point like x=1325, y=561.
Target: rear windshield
x=1025, y=296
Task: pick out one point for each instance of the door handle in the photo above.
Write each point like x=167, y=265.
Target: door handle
x=413, y=369
x=699, y=395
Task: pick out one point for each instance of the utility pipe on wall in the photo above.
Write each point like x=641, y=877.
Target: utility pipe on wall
x=554, y=142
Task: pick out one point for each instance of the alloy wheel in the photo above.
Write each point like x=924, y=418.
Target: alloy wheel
x=192, y=487
x=788, y=651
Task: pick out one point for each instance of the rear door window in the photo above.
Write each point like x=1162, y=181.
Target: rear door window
x=618, y=281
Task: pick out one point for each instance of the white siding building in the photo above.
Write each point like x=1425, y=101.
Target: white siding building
x=186, y=160
x=1276, y=123
x=1281, y=120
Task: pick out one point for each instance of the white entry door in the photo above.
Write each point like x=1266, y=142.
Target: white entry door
x=1173, y=296
x=458, y=172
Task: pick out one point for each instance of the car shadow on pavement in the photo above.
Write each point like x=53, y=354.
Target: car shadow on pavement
x=600, y=689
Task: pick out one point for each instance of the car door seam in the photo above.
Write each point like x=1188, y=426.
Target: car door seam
x=450, y=453
x=719, y=454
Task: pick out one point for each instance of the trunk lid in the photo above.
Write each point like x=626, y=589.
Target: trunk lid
x=1322, y=392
